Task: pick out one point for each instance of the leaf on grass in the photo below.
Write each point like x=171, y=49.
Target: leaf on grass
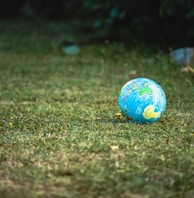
x=114, y=148
x=187, y=69
x=118, y=114
x=97, y=118
x=133, y=73
x=162, y=158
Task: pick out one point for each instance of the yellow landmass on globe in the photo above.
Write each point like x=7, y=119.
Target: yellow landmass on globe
x=149, y=112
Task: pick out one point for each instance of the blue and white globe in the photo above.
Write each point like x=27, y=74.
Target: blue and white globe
x=142, y=100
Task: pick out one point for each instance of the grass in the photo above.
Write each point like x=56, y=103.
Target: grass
x=59, y=136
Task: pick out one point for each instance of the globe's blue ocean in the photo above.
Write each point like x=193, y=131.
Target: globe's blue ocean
x=142, y=100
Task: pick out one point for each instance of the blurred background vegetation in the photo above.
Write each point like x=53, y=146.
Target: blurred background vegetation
x=169, y=21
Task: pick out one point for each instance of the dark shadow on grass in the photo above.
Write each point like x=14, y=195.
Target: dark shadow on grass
x=101, y=120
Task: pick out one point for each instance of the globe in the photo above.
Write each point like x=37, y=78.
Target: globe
x=142, y=100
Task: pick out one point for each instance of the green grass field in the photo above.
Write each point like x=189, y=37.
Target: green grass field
x=59, y=133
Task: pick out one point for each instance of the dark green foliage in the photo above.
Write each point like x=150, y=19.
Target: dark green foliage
x=151, y=20
x=39, y=8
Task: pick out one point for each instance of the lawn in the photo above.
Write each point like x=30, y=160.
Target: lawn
x=60, y=135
